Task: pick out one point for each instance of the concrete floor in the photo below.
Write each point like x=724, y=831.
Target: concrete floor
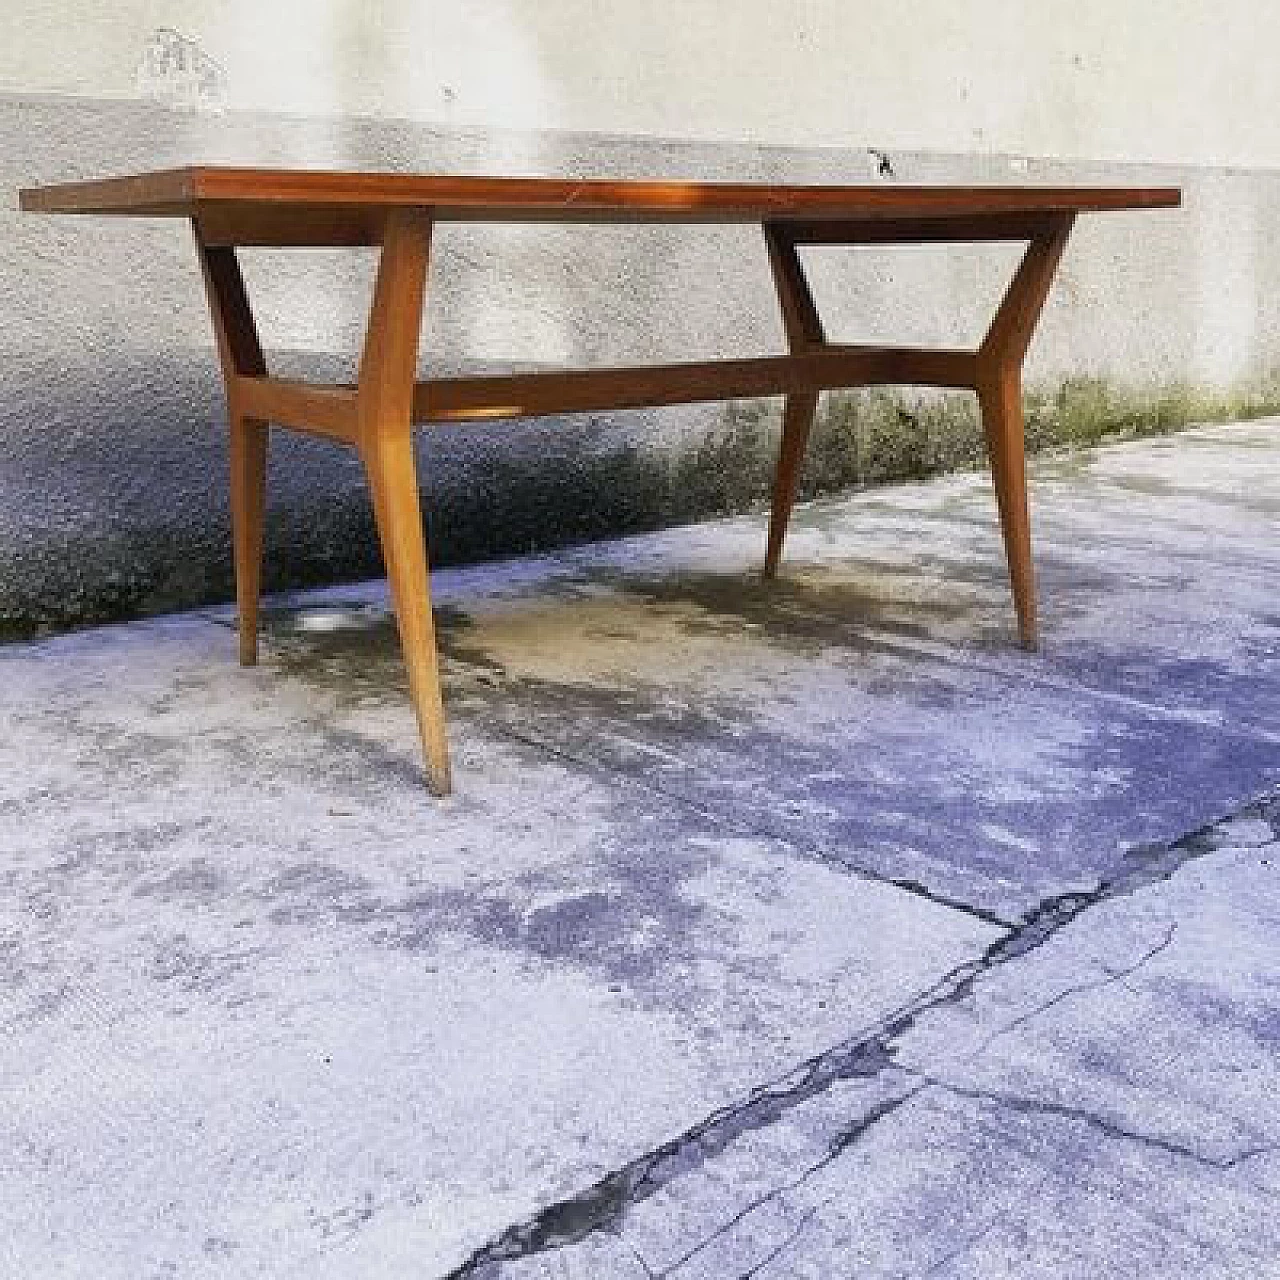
x=792, y=930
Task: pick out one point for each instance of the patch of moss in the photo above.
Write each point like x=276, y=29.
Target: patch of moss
x=1084, y=411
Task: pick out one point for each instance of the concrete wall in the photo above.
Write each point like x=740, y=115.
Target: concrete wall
x=1173, y=81
x=111, y=453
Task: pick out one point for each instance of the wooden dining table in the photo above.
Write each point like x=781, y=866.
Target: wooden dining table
x=231, y=208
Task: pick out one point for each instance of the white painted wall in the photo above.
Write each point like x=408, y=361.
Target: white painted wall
x=1180, y=81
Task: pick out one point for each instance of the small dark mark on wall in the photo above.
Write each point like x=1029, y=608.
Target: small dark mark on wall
x=884, y=166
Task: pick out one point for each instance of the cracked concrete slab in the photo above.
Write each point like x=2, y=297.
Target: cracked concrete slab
x=1098, y=1105
x=736, y=878
x=1160, y=1019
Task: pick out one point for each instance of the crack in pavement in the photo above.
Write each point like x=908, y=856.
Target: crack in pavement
x=604, y=1203
x=836, y=1149
x=640, y=1258
x=866, y=1055
x=1112, y=976
x=1024, y=1105
x=784, y=1245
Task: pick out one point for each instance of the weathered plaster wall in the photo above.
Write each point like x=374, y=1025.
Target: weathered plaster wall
x=1179, y=81
x=112, y=496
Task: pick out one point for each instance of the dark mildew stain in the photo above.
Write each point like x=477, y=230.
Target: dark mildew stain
x=117, y=854
x=317, y=880
x=638, y=929
x=351, y=651
x=1219, y=1017
x=308, y=890
x=855, y=610
x=1154, y=486
x=579, y=494
x=153, y=759
x=567, y=926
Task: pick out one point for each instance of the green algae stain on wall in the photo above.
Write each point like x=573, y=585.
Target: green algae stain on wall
x=1086, y=411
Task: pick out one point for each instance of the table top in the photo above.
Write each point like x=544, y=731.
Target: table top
x=186, y=192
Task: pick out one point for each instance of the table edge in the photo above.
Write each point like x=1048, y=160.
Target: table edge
x=181, y=192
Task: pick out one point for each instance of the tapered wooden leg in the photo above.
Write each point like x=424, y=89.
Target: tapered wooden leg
x=240, y=353
x=1000, y=396
x=804, y=332
x=797, y=422
x=999, y=389
x=248, y=504
x=384, y=408
x=393, y=484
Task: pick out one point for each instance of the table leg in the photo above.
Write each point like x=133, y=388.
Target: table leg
x=1000, y=399
x=240, y=353
x=384, y=398
x=999, y=387
x=248, y=506
x=798, y=414
x=804, y=332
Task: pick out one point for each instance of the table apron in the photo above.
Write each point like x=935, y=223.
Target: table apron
x=284, y=226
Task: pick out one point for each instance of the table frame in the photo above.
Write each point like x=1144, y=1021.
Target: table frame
x=231, y=209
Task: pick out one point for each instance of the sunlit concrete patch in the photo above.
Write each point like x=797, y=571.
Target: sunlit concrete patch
x=269, y=1008
x=1097, y=1104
